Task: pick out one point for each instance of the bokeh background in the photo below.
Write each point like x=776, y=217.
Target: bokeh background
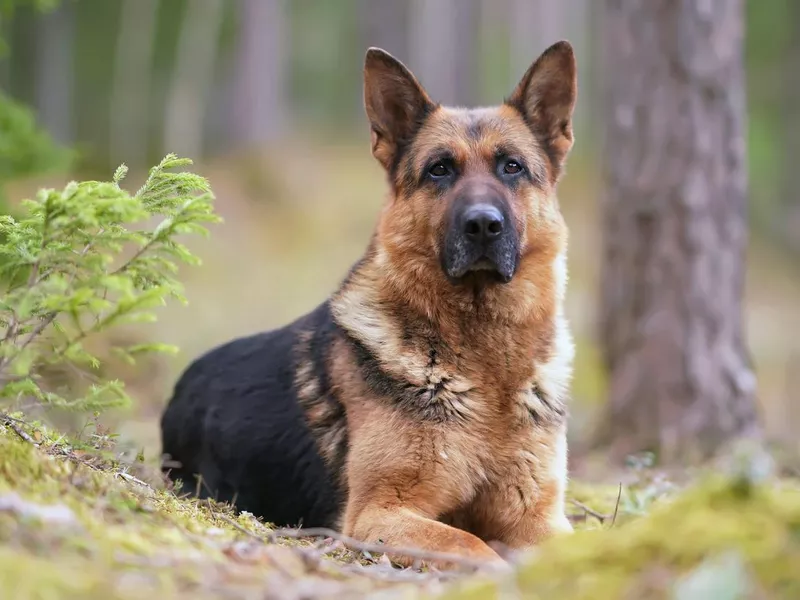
x=266, y=97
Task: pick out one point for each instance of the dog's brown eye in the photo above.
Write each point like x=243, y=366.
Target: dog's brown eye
x=438, y=170
x=512, y=168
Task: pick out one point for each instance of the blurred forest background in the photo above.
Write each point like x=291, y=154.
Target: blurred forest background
x=266, y=97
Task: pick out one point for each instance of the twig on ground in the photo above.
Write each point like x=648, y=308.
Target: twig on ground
x=616, y=507
x=353, y=544
x=132, y=479
x=589, y=511
x=244, y=530
x=11, y=423
x=326, y=547
x=211, y=508
x=7, y=417
x=315, y=556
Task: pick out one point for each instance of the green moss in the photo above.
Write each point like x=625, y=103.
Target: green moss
x=122, y=539
x=73, y=525
x=602, y=498
x=644, y=558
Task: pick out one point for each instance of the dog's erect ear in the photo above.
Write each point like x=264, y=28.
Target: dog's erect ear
x=395, y=103
x=546, y=97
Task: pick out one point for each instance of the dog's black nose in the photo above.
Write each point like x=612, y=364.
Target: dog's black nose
x=483, y=223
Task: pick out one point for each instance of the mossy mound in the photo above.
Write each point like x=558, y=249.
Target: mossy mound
x=73, y=525
x=722, y=539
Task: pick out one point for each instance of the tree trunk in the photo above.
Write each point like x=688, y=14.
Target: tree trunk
x=192, y=78
x=54, y=84
x=536, y=24
x=790, y=195
x=130, y=86
x=261, y=83
x=385, y=24
x=533, y=26
x=442, y=53
x=681, y=381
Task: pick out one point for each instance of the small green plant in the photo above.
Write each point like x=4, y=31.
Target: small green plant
x=650, y=485
x=86, y=259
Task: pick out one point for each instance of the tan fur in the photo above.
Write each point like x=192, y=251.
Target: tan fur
x=504, y=352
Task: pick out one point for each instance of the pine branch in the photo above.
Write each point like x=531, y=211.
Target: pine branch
x=66, y=245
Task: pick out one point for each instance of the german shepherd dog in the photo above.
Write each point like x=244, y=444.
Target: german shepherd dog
x=423, y=403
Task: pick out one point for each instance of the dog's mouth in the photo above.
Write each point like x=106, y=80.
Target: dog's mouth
x=482, y=264
x=481, y=271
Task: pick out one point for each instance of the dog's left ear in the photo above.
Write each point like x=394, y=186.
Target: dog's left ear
x=546, y=97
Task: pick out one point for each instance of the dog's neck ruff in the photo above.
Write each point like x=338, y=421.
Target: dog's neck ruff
x=383, y=321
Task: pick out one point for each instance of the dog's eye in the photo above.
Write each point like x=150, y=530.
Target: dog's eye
x=439, y=170
x=512, y=167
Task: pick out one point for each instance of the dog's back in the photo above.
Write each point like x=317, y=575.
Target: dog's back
x=235, y=423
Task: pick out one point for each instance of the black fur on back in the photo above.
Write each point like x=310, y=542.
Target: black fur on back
x=235, y=420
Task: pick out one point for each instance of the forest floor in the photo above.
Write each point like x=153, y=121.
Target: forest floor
x=75, y=522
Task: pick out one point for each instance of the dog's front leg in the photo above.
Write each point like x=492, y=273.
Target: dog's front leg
x=398, y=487
x=403, y=527
x=526, y=506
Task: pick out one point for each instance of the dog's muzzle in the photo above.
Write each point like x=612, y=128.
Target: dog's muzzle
x=480, y=237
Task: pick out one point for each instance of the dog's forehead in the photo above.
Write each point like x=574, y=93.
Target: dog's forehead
x=483, y=124
x=476, y=133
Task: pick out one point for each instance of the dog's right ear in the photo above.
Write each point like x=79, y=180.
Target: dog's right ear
x=395, y=102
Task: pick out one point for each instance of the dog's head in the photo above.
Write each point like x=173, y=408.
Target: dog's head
x=472, y=189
